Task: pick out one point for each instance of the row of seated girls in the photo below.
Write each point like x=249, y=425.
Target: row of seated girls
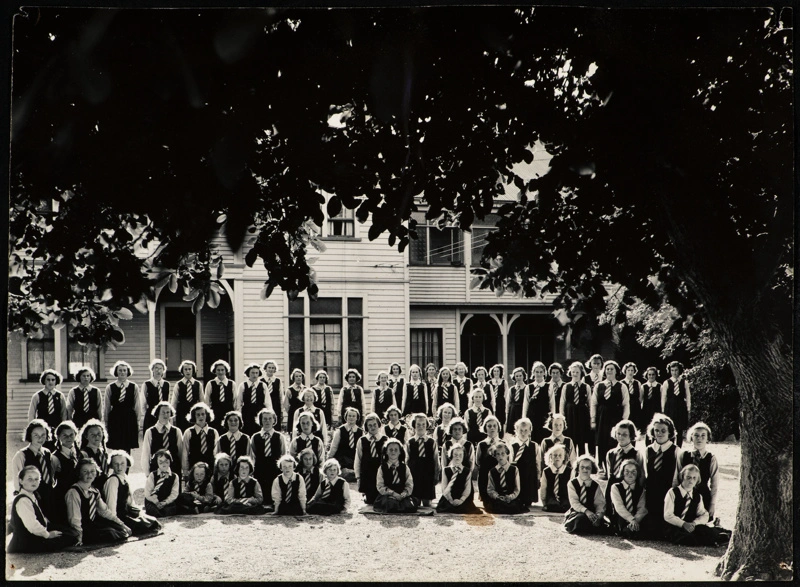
x=81, y=491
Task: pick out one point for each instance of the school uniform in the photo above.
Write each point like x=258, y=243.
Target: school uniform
x=497, y=396
x=396, y=478
x=441, y=436
x=66, y=475
x=42, y=460
x=272, y=387
x=311, y=479
x=463, y=387
x=83, y=404
x=709, y=467
x=90, y=519
x=681, y=506
x=30, y=527
x=219, y=487
x=318, y=429
x=117, y=494
x=469, y=453
x=50, y=407
x=566, y=442
x=457, y=483
x=100, y=457
x=366, y=465
x=661, y=467
x=161, y=487
x=123, y=414
x=397, y=386
x=584, y=496
x=675, y=406
x=485, y=462
x=553, y=491
x=352, y=397
x=421, y=459
x=221, y=398
x=308, y=441
x=185, y=395
x=343, y=445
x=515, y=400
x=324, y=402
x=445, y=393
x=167, y=437
x=635, y=407
x=629, y=505
x=399, y=431
x=234, y=446
x=188, y=503
x=556, y=390
x=651, y=404
x=198, y=446
x=592, y=378
x=384, y=399
x=575, y=407
x=538, y=406
x=252, y=399
x=505, y=482
x=243, y=497
x=295, y=404
x=153, y=393
x=527, y=459
x=475, y=419
x=265, y=450
x=614, y=459
x=609, y=401
x=330, y=498
x=289, y=497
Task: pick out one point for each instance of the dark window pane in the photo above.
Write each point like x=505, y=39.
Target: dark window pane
x=41, y=355
x=296, y=307
x=426, y=346
x=179, y=322
x=418, y=247
x=355, y=307
x=297, y=350
x=332, y=306
x=325, y=340
x=80, y=355
x=355, y=344
x=445, y=246
x=478, y=244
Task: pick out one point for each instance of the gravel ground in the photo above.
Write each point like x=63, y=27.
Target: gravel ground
x=357, y=547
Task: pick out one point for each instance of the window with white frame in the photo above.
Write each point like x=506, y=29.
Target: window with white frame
x=343, y=225
x=426, y=346
x=41, y=353
x=435, y=246
x=79, y=355
x=480, y=230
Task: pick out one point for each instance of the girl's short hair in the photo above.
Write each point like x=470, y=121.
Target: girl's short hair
x=661, y=419
x=677, y=364
x=294, y=372
x=310, y=416
x=653, y=369
x=523, y=422
x=554, y=367
x=520, y=370
x=538, y=365
x=52, y=372
x=444, y=406
x=221, y=456
x=587, y=457
x=444, y=369
x=429, y=365
x=27, y=469
x=398, y=365
x=497, y=366
x=287, y=458
x=220, y=362
x=37, y=423
x=500, y=446
x=85, y=369
x=200, y=406
x=419, y=416
x=699, y=426
x=188, y=363
x=578, y=365
x=491, y=418
x=477, y=390
x=242, y=460
x=613, y=364
x=120, y=453
x=639, y=470
x=415, y=368
x=348, y=410
x=66, y=425
x=552, y=418
x=452, y=449
x=230, y=415
x=163, y=403
x=161, y=452
x=307, y=451
x=306, y=390
x=593, y=358
x=378, y=377
x=456, y=421
x=117, y=365
x=253, y=366
x=463, y=365
x=625, y=425
x=372, y=417
x=558, y=447
x=390, y=442
x=93, y=423
x=630, y=364
x=480, y=368
x=268, y=412
x=321, y=372
x=269, y=362
x=355, y=372
x=332, y=463
x=86, y=461
x=691, y=467
x=393, y=408
x=155, y=362
x=199, y=465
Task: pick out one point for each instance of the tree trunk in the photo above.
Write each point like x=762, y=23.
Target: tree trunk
x=761, y=544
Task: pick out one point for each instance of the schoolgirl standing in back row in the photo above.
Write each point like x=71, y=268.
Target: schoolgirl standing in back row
x=609, y=406
x=516, y=398
x=187, y=392
x=384, y=395
x=49, y=404
x=431, y=377
x=220, y=393
x=251, y=399
x=594, y=367
x=463, y=386
x=651, y=390
x=556, y=372
x=498, y=391
x=154, y=390
x=445, y=390
x=575, y=407
x=480, y=376
x=538, y=402
x=416, y=395
x=84, y=401
x=352, y=395
x=274, y=389
x=324, y=395
x=397, y=382
x=676, y=400
x=123, y=409
x=292, y=401
x=635, y=393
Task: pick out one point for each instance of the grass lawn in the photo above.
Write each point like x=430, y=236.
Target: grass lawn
x=357, y=547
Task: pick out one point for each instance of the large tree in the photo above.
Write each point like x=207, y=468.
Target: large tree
x=670, y=133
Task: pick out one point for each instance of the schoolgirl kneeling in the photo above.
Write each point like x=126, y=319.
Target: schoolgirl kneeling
x=333, y=493
x=198, y=495
x=117, y=493
x=394, y=481
x=289, y=490
x=243, y=495
x=456, y=485
x=503, y=489
x=89, y=517
x=162, y=487
x=586, y=503
x=555, y=478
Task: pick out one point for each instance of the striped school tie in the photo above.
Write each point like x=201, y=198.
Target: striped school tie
x=203, y=442
x=480, y=419
x=233, y=448
x=686, y=505
x=270, y=384
x=373, y=448
x=416, y=391
x=696, y=458
x=461, y=388
x=517, y=395
x=502, y=482
x=326, y=492
x=165, y=439
x=221, y=393
x=650, y=391
x=421, y=448
x=242, y=488
x=380, y=397
x=85, y=401
x=162, y=478
x=353, y=394
x=395, y=476
x=267, y=445
x=352, y=435
x=189, y=394
x=582, y=496
x=445, y=395
x=629, y=499
x=92, y=505
x=577, y=395
x=618, y=468
x=288, y=492
x=45, y=470
x=607, y=394
x=308, y=483
x=658, y=459
x=519, y=454
x=323, y=400
x=73, y=455
x=122, y=393
x=556, y=487
x=253, y=395
x=677, y=390
x=535, y=391
x=225, y=486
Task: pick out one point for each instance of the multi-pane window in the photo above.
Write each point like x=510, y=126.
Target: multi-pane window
x=41, y=353
x=480, y=230
x=79, y=355
x=343, y=224
x=426, y=346
x=434, y=246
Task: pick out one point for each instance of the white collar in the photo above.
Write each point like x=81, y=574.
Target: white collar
x=558, y=471
x=587, y=483
x=394, y=426
x=222, y=381
x=160, y=427
x=505, y=468
x=27, y=493
x=664, y=447
x=236, y=436
x=189, y=382
x=198, y=429
x=685, y=492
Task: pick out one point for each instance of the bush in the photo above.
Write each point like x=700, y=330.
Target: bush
x=715, y=398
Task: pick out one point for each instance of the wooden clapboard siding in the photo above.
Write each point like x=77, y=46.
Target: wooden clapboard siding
x=263, y=327
x=214, y=325
x=386, y=334
x=443, y=318
x=437, y=285
x=136, y=350
x=18, y=393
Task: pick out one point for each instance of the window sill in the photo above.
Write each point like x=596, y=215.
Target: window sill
x=340, y=238
x=437, y=266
